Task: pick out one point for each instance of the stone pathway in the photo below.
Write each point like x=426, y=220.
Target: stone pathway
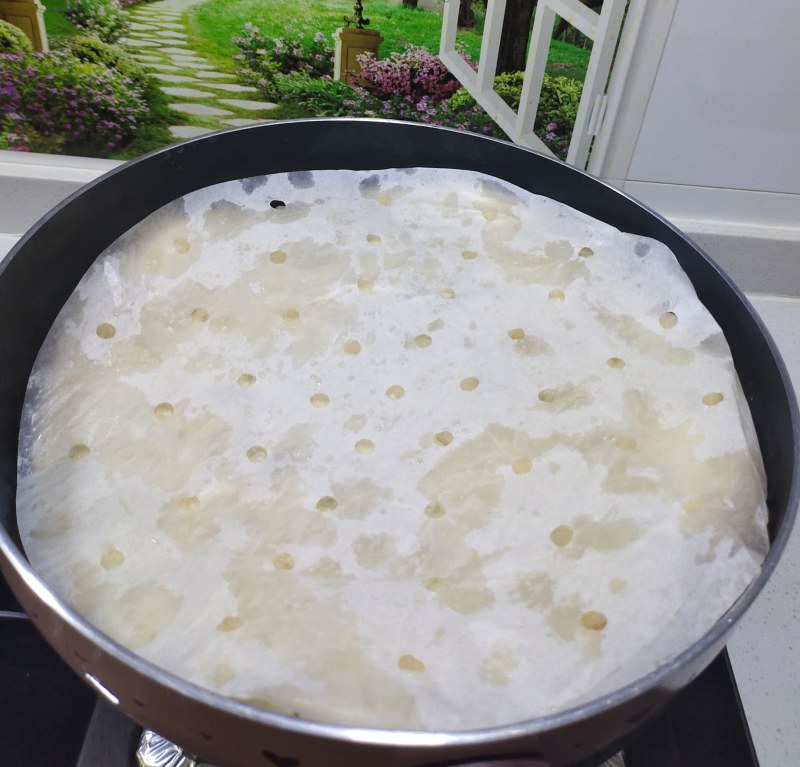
x=209, y=99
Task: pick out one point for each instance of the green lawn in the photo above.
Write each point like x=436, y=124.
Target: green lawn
x=55, y=24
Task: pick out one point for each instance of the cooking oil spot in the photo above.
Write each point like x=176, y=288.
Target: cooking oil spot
x=521, y=465
x=181, y=245
x=594, y=620
x=444, y=438
x=625, y=443
x=447, y=293
x=163, y=410
x=693, y=505
x=615, y=362
x=283, y=561
x=189, y=503
x=395, y=392
x=374, y=239
x=246, y=380
x=76, y=452
x=105, y=330
x=713, y=398
x=423, y=341
x=365, y=285
x=556, y=295
x=585, y=252
x=384, y=199
x=365, y=446
x=256, y=454
x=200, y=315
x=410, y=663
x=668, y=320
x=469, y=384
x=327, y=503
x=229, y=623
x=434, y=510
x=432, y=584
x=112, y=559
x=561, y=535
x=436, y=325
x=497, y=668
x=277, y=257
x=320, y=400
x=291, y=315
x=535, y=590
x=617, y=585
x=351, y=346
x=490, y=214
x=547, y=395
x=468, y=255
x=516, y=334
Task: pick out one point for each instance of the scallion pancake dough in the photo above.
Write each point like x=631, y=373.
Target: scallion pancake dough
x=408, y=449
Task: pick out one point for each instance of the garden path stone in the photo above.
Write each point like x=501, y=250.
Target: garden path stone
x=231, y=87
x=188, y=93
x=173, y=49
x=176, y=78
x=169, y=25
x=189, y=131
x=137, y=27
x=191, y=63
x=200, y=110
x=249, y=106
x=130, y=42
x=215, y=75
x=165, y=67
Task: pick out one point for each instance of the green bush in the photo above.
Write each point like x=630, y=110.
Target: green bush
x=13, y=39
x=93, y=50
x=324, y=98
x=104, y=18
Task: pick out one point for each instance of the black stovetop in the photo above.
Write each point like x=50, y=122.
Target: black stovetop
x=50, y=718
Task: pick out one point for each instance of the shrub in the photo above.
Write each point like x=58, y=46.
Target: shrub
x=326, y=98
x=13, y=39
x=54, y=102
x=104, y=18
x=93, y=50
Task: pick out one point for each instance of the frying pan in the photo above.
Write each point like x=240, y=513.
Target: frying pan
x=45, y=266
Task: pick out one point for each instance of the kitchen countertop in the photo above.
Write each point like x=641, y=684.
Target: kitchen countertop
x=762, y=649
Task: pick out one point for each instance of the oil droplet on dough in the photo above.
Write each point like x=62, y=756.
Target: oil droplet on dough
x=283, y=561
x=181, y=245
x=256, y=454
x=447, y=293
x=561, y=535
x=374, y=239
x=615, y=362
x=434, y=510
x=468, y=255
x=365, y=285
x=410, y=663
x=320, y=400
x=516, y=334
x=521, y=465
x=490, y=214
x=547, y=395
x=423, y=341
x=585, y=252
x=112, y=559
x=277, y=257
x=106, y=330
x=593, y=620
x=556, y=295
x=291, y=315
x=327, y=503
x=246, y=380
x=163, y=410
x=229, y=623
x=668, y=320
x=693, y=505
x=190, y=503
x=365, y=446
x=625, y=443
x=395, y=392
x=713, y=398
x=200, y=315
x=351, y=346
x=432, y=584
x=76, y=452
x=469, y=384
x=444, y=438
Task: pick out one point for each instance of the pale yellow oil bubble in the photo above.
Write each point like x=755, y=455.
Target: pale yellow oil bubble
x=374, y=239
x=320, y=400
x=547, y=395
x=490, y=214
x=163, y=410
x=593, y=620
x=256, y=454
x=200, y=315
x=615, y=362
x=364, y=446
x=521, y=465
x=469, y=384
x=112, y=559
x=384, y=199
x=246, y=380
x=106, y=330
x=668, y=320
x=76, y=452
x=693, y=505
x=277, y=257
x=229, y=623
x=423, y=341
x=561, y=535
x=713, y=398
x=447, y=293
x=432, y=584
x=395, y=392
x=283, y=561
x=585, y=252
x=516, y=334
x=435, y=510
x=291, y=315
x=410, y=663
x=444, y=438
x=625, y=443
x=351, y=346
x=189, y=503
x=327, y=503
x=365, y=285
x=181, y=245
x=468, y=255
x=556, y=295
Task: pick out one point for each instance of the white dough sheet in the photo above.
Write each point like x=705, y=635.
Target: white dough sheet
x=412, y=449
